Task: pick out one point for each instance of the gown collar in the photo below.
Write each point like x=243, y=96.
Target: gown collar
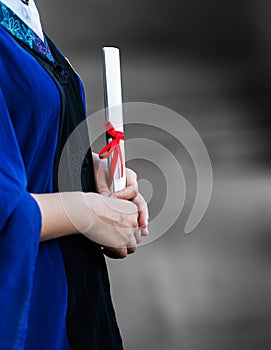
x=20, y=30
x=28, y=14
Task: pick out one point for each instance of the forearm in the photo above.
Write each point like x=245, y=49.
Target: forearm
x=55, y=219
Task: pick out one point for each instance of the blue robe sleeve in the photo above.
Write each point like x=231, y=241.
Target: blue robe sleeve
x=20, y=226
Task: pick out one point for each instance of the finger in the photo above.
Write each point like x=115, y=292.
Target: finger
x=129, y=192
x=131, y=176
x=101, y=178
x=145, y=231
x=103, y=188
x=143, y=218
x=115, y=253
x=143, y=223
x=131, y=189
x=131, y=250
x=143, y=226
x=138, y=235
x=132, y=246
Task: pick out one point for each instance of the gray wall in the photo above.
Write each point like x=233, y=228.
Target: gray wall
x=209, y=26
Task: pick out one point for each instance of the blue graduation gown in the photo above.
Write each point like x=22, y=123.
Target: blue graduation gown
x=33, y=278
x=29, y=120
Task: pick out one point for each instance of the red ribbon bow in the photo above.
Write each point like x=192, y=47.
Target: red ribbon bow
x=112, y=147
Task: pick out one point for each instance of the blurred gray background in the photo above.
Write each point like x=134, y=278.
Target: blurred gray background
x=211, y=62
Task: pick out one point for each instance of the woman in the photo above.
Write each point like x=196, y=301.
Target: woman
x=54, y=288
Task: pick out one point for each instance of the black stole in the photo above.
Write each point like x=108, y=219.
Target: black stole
x=91, y=322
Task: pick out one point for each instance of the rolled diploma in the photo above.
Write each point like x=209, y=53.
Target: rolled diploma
x=113, y=107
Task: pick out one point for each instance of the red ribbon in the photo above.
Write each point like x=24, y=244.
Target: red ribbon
x=112, y=147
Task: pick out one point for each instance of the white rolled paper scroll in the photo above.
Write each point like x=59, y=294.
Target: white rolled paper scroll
x=114, y=110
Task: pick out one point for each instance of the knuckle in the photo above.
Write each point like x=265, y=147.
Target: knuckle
x=122, y=217
x=129, y=236
x=126, y=237
x=144, y=203
x=138, y=238
x=133, y=207
x=134, y=223
x=122, y=253
x=132, y=250
x=135, y=191
x=123, y=242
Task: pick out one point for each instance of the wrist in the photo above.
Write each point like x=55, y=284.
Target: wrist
x=88, y=216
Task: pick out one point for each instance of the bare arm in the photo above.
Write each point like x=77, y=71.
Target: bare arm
x=107, y=221
x=115, y=221
x=55, y=221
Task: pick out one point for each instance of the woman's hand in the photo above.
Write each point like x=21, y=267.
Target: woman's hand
x=113, y=224
x=116, y=221
x=110, y=222
x=129, y=193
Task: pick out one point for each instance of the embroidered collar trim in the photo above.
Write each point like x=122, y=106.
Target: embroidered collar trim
x=29, y=14
x=10, y=21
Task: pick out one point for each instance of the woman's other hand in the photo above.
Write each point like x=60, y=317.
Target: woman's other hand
x=130, y=192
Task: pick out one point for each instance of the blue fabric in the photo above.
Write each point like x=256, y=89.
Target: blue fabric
x=53, y=295
x=33, y=286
